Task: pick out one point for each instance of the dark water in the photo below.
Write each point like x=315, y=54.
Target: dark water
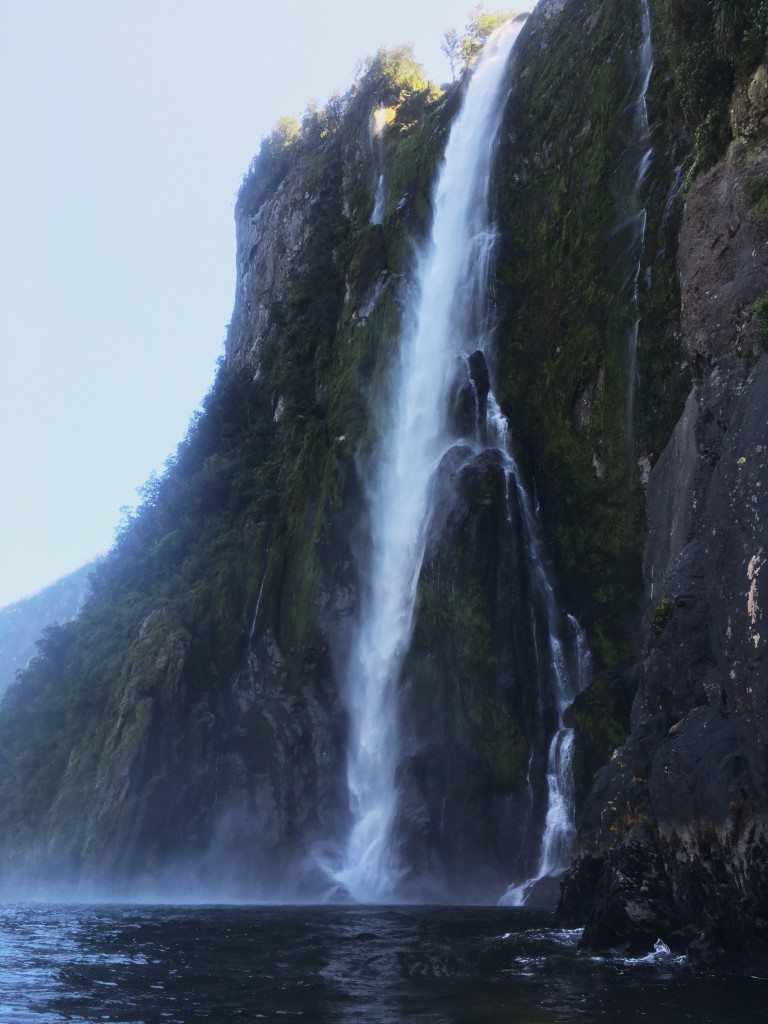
x=331, y=964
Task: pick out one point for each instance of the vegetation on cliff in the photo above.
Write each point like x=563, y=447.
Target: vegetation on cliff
x=257, y=503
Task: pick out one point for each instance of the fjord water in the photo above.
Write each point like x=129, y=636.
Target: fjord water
x=327, y=965
x=440, y=323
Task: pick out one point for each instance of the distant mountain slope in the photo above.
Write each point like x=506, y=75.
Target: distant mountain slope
x=22, y=622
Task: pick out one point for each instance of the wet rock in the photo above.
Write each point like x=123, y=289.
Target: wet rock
x=672, y=838
x=723, y=259
x=749, y=108
x=478, y=373
x=470, y=692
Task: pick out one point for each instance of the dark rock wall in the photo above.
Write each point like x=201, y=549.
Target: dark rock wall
x=673, y=840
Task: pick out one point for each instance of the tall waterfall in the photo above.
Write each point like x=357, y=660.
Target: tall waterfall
x=448, y=324
x=638, y=219
x=440, y=322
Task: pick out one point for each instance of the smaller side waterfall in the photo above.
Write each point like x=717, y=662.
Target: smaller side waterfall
x=639, y=216
x=569, y=665
x=560, y=826
x=377, y=126
x=378, y=204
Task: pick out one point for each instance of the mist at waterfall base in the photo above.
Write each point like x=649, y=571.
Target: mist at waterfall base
x=332, y=964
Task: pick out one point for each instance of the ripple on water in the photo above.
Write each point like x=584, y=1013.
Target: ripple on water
x=332, y=964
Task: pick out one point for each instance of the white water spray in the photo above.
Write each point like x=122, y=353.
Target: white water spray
x=451, y=275
x=560, y=824
x=378, y=203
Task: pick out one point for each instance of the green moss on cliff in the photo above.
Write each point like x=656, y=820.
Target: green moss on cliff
x=454, y=653
x=710, y=46
x=562, y=365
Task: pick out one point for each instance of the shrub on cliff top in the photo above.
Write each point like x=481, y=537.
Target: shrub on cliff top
x=269, y=166
x=386, y=78
x=480, y=25
x=461, y=51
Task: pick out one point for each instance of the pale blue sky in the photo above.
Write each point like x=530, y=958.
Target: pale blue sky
x=125, y=128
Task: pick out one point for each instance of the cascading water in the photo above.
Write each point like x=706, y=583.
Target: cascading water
x=569, y=666
x=638, y=219
x=378, y=203
x=378, y=124
x=559, y=825
x=449, y=283
x=447, y=324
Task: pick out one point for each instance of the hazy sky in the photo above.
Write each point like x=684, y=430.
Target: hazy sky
x=125, y=128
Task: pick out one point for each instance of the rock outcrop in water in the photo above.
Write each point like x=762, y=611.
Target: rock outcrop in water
x=190, y=730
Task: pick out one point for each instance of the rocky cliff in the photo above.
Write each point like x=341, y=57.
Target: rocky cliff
x=189, y=729
x=672, y=838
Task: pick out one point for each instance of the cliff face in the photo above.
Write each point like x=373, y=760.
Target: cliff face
x=672, y=837
x=189, y=730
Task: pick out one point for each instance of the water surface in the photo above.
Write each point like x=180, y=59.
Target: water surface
x=182, y=965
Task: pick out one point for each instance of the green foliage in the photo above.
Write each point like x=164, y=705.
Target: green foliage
x=269, y=166
x=564, y=319
x=453, y=654
x=480, y=25
x=761, y=313
x=389, y=75
x=661, y=616
x=730, y=20
x=387, y=78
x=711, y=45
x=451, y=47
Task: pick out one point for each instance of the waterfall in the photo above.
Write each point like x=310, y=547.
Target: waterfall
x=638, y=220
x=569, y=669
x=377, y=125
x=378, y=203
x=559, y=825
x=440, y=321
